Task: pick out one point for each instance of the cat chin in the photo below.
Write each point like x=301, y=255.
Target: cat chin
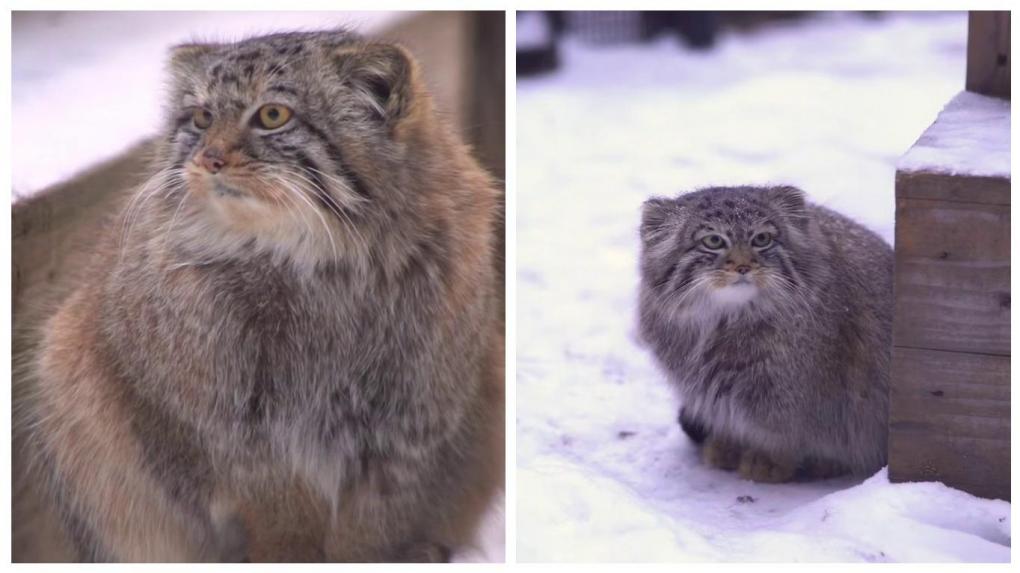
x=734, y=295
x=248, y=229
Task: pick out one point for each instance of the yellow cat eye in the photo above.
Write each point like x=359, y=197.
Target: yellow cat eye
x=713, y=242
x=273, y=116
x=201, y=118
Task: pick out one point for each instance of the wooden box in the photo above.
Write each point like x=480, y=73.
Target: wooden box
x=950, y=394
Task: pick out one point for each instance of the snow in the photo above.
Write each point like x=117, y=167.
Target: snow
x=589, y=517
x=604, y=472
x=88, y=86
x=970, y=136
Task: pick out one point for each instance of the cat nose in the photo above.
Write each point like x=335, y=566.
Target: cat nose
x=211, y=158
x=743, y=269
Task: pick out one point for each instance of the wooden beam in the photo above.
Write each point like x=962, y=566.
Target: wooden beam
x=949, y=420
x=988, y=53
x=952, y=274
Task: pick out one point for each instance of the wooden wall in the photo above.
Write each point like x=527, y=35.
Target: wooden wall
x=988, y=53
x=950, y=394
x=949, y=402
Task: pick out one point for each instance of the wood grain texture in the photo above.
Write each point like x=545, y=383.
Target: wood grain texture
x=487, y=112
x=952, y=276
x=954, y=188
x=988, y=54
x=949, y=420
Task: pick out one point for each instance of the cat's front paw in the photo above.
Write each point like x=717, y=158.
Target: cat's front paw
x=691, y=426
x=720, y=453
x=814, y=468
x=760, y=467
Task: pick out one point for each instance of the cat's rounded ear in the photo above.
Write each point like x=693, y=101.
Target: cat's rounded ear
x=787, y=199
x=381, y=77
x=186, y=58
x=655, y=214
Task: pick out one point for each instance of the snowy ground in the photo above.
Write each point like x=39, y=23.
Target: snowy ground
x=604, y=473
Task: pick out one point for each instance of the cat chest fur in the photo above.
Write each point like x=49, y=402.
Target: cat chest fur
x=264, y=363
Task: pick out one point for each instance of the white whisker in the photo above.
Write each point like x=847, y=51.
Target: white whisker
x=334, y=208
x=300, y=195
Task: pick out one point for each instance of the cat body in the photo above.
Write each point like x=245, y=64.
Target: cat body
x=772, y=317
x=289, y=347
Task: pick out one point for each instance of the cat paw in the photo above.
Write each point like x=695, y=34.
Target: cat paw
x=814, y=468
x=694, y=429
x=425, y=552
x=759, y=467
x=721, y=454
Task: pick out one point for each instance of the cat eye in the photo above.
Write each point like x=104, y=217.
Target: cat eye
x=201, y=118
x=714, y=242
x=272, y=116
x=762, y=240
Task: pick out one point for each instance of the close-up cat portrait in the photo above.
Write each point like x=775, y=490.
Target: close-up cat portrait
x=278, y=335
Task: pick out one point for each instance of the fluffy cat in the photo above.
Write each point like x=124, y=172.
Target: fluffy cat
x=772, y=317
x=289, y=346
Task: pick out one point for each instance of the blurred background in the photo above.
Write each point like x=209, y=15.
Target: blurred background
x=687, y=99
x=89, y=85
x=87, y=98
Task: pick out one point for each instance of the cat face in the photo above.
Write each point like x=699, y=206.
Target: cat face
x=288, y=136
x=723, y=247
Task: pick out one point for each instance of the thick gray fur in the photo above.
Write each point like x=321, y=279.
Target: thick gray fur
x=801, y=370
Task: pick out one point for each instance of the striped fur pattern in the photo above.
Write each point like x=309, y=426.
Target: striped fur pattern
x=295, y=354
x=772, y=317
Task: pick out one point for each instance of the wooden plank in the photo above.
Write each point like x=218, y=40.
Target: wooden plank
x=988, y=54
x=955, y=188
x=486, y=83
x=940, y=389
x=949, y=420
x=974, y=466
x=486, y=86
x=952, y=276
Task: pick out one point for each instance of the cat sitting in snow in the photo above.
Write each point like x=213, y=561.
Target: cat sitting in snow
x=772, y=317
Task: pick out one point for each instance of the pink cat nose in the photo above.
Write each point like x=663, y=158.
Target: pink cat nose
x=743, y=269
x=211, y=158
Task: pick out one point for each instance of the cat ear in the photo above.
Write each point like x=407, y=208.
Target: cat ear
x=789, y=200
x=655, y=213
x=186, y=58
x=380, y=75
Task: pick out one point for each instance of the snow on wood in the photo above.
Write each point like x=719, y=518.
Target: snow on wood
x=970, y=137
